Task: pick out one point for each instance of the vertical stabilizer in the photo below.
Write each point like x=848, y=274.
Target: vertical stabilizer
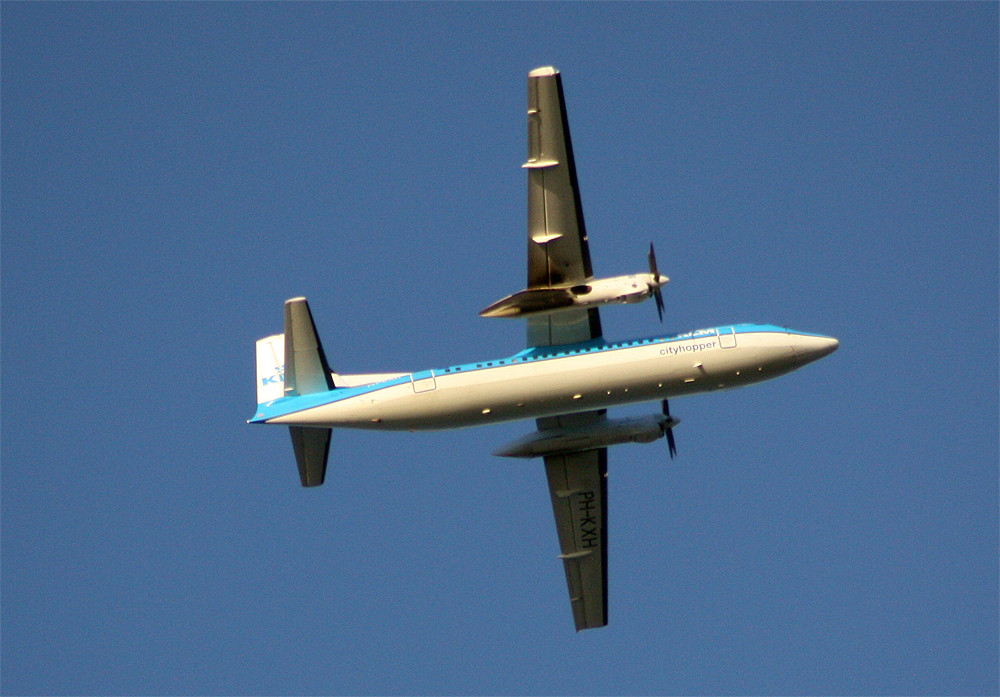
x=270, y=368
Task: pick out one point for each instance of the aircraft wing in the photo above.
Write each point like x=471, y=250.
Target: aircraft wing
x=558, y=256
x=557, y=239
x=578, y=484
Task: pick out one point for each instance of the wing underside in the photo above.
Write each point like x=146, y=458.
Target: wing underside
x=558, y=253
x=578, y=487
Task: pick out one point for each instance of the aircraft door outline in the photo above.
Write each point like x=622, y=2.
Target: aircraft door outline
x=727, y=337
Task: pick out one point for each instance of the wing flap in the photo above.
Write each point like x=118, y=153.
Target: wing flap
x=567, y=327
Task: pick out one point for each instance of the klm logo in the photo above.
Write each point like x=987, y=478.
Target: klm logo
x=276, y=379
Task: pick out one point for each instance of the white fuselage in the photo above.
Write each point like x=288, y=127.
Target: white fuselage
x=558, y=380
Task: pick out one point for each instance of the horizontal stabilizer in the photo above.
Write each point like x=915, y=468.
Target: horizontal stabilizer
x=306, y=369
x=312, y=446
x=306, y=372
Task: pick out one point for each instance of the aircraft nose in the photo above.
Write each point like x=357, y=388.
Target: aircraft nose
x=811, y=348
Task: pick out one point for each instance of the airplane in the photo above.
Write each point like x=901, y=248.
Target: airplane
x=566, y=378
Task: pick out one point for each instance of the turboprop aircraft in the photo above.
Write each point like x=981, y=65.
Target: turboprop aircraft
x=566, y=378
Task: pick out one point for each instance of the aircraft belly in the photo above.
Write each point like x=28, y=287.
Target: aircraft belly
x=560, y=386
x=535, y=389
x=532, y=389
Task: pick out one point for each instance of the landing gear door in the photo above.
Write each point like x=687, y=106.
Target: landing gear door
x=727, y=337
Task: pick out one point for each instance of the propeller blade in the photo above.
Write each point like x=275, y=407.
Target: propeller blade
x=669, y=431
x=654, y=287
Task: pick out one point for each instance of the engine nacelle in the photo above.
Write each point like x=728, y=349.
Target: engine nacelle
x=642, y=429
x=600, y=291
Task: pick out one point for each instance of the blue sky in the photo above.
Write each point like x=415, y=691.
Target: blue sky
x=172, y=172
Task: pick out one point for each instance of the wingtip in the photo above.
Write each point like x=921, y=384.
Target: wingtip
x=544, y=71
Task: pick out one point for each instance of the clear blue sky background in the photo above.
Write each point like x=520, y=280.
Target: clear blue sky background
x=173, y=172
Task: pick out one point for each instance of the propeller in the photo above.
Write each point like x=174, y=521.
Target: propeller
x=654, y=287
x=668, y=430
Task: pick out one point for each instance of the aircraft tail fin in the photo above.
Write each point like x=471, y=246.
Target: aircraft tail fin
x=290, y=365
x=270, y=368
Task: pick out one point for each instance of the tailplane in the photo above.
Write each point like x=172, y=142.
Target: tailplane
x=306, y=372
x=290, y=365
x=312, y=449
x=306, y=369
